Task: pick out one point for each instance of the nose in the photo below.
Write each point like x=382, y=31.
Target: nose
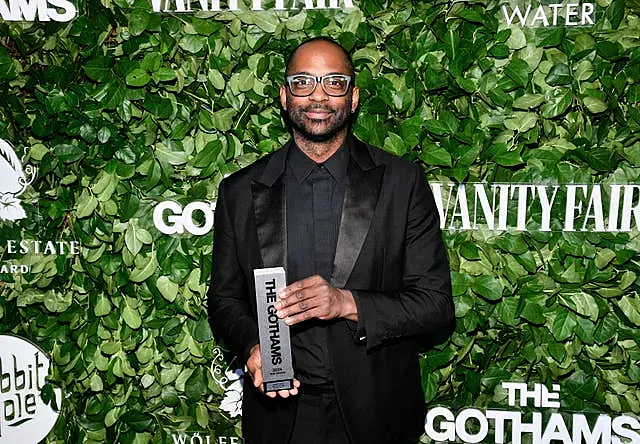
x=318, y=94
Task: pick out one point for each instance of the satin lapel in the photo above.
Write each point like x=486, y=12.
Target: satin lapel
x=360, y=198
x=269, y=212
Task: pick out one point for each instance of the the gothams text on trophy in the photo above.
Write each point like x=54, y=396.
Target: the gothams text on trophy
x=275, y=342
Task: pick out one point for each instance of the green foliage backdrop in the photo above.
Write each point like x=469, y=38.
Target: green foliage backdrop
x=123, y=108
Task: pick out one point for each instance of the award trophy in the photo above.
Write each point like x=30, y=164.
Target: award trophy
x=275, y=343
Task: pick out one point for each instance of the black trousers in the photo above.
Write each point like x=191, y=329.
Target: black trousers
x=318, y=419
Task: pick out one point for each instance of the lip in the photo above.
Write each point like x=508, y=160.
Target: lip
x=318, y=114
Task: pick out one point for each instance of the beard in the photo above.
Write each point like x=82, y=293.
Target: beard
x=319, y=130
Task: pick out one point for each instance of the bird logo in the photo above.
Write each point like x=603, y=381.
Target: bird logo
x=14, y=180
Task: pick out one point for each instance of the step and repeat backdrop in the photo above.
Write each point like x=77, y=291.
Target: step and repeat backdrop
x=119, y=118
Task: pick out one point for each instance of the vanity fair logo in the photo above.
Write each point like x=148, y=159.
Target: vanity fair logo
x=24, y=417
x=14, y=180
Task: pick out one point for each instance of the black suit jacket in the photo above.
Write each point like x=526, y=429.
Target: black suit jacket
x=389, y=254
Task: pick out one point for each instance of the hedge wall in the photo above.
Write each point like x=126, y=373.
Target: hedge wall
x=123, y=108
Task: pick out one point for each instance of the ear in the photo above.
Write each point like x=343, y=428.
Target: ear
x=283, y=97
x=355, y=99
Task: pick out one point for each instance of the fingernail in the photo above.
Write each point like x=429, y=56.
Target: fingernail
x=278, y=305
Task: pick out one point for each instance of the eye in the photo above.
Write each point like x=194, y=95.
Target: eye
x=336, y=81
x=301, y=82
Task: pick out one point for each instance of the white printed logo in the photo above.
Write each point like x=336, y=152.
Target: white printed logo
x=170, y=218
x=231, y=382
x=24, y=417
x=14, y=180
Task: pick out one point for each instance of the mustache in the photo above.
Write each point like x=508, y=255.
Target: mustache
x=317, y=107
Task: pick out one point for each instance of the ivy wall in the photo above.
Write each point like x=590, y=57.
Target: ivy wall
x=123, y=108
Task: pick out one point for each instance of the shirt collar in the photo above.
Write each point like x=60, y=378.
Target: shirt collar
x=302, y=165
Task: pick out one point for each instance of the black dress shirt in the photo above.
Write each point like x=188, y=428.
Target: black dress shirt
x=314, y=198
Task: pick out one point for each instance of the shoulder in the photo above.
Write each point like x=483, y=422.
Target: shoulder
x=243, y=178
x=395, y=166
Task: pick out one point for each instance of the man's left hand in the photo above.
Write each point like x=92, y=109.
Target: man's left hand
x=314, y=297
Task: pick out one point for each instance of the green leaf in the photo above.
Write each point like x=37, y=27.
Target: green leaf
x=202, y=331
x=511, y=243
x=163, y=75
x=521, y=122
x=581, y=385
x=87, y=203
x=151, y=62
x=508, y=158
x=435, y=155
x=631, y=309
x=563, y=325
x=196, y=386
x=145, y=267
x=557, y=101
x=193, y=43
x=131, y=317
x=167, y=288
x=488, y=287
x=582, y=303
x=158, y=106
x=223, y=120
x=137, y=420
x=137, y=77
x=99, y=69
x=68, y=153
x=559, y=74
x=594, y=104
x=394, y=144
x=528, y=101
x=103, y=306
x=436, y=127
x=518, y=71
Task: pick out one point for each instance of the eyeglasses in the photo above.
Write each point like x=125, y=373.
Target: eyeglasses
x=302, y=85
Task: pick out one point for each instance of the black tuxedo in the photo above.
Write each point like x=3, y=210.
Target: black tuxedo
x=389, y=254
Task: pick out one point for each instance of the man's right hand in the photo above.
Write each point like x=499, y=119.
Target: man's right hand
x=254, y=368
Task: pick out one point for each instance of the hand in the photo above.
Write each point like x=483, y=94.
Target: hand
x=254, y=368
x=314, y=297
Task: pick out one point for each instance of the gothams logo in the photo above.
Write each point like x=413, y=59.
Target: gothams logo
x=24, y=417
x=14, y=180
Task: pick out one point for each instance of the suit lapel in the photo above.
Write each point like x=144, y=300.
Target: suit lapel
x=360, y=197
x=269, y=210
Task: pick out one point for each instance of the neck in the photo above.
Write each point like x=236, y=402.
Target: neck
x=320, y=151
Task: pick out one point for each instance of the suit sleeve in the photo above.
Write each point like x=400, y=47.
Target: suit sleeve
x=423, y=306
x=230, y=314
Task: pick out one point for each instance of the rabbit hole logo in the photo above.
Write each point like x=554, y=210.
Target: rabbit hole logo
x=14, y=180
x=24, y=417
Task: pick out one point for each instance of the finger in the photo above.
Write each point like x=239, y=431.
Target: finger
x=315, y=312
x=296, y=385
x=291, y=392
x=298, y=296
x=299, y=307
x=257, y=378
x=300, y=285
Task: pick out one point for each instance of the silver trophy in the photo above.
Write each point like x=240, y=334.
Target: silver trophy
x=275, y=342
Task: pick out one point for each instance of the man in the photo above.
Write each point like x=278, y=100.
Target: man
x=369, y=285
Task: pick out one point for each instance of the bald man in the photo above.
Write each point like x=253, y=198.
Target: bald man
x=369, y=286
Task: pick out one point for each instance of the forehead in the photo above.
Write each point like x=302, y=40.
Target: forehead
x=319, y=58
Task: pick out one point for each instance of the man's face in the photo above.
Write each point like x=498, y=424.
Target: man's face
x=318, y=117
